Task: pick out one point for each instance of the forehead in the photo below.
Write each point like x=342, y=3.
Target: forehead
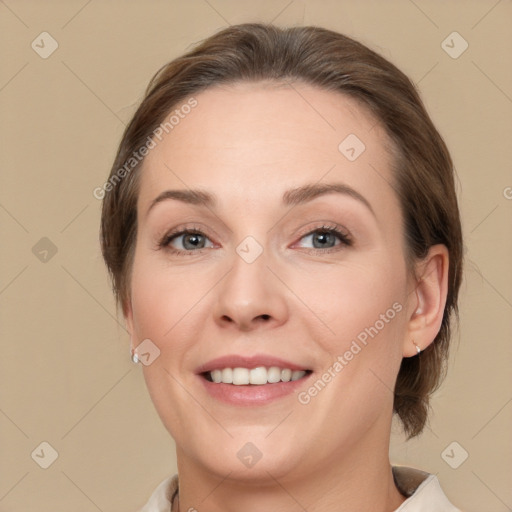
x=256, y=139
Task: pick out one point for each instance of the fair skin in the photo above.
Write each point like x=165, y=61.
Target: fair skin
x=304, y=299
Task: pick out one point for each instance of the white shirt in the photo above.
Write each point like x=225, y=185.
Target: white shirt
x=423, y=490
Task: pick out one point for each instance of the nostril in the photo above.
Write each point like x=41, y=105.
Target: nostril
x=265, y=317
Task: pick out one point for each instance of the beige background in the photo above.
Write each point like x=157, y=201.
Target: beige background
x=65, y=373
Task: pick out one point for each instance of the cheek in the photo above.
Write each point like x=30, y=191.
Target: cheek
x=364, y=312
x=163, y=303
x=163, y=299
x=347, y=302
x=359, y=323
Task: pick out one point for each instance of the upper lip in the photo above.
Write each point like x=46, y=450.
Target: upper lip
x=254, y=361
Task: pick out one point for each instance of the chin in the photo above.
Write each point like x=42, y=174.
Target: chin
x=246, y=457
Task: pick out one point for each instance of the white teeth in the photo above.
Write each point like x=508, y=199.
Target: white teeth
x=298, y=374
x=274, y=374
x=258, y=375
x=240, y=376
x=286, y=375
x=255, y=376
x=227, y=376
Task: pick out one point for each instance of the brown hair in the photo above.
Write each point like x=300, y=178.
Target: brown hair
x=423, y=170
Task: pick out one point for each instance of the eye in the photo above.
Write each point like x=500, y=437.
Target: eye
x=185, y=241
x=189, y=241
x=326, y=237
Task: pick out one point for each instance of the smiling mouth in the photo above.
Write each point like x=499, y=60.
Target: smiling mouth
x=254, y=376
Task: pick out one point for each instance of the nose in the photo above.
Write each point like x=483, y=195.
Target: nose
x=250, y=297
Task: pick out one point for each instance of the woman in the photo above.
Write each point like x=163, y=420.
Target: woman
x=283, y=235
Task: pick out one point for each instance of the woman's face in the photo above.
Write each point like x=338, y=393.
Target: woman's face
x=278, y=272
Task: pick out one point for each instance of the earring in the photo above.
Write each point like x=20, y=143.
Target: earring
x=418, y=349
x=135, y=357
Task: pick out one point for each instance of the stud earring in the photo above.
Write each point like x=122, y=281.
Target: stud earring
x=135, y=357
x=418, y=349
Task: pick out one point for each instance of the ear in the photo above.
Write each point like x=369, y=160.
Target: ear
x=428, y=300
x=128, y=316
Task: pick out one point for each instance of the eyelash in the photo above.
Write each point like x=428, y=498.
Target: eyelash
x=345, y=239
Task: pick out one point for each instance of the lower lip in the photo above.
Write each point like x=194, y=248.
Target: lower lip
x=252, y=394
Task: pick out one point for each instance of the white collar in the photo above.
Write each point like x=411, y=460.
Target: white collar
x=423, y=490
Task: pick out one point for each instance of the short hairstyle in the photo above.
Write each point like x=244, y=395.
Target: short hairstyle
x=422, y=167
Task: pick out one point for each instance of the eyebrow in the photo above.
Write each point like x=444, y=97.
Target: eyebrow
x=292, y=197
x=307, y=193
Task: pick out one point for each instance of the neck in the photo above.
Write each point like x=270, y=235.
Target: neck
x=353, y=481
